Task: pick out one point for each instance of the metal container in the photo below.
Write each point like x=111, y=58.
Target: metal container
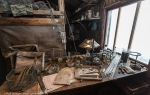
x=124, y=56
x=89, y=14
x=12, y=77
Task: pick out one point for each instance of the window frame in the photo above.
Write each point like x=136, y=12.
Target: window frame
x=116, y=30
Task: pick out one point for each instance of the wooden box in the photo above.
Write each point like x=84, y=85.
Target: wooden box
x=132, y=86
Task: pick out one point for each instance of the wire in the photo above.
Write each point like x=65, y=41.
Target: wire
x=52, y=16
x=71, y=33
x=82, y=26
x=53, y=21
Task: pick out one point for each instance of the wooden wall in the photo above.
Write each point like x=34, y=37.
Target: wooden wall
x=48, y=34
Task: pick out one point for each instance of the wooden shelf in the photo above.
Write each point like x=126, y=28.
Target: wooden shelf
x=86, y=20
x=41, y=12
x=82, y=9
x=22, y=21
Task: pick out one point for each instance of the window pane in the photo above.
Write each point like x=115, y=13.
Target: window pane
x=112, y=27
x=142, y=31
x=125, y=26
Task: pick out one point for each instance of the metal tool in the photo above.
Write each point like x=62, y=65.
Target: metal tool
x=91, y=72
x=39, y=78
x=42, y=86
x=121, y=69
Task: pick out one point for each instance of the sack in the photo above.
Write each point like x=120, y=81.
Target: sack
x=40, y=5
x=4, y=6
x=19, y=10
x=27, y=59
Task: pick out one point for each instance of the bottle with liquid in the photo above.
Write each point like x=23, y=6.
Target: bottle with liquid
x=60, y=59
x=108, y=56
x=114, y=52
x=100, y=54
x=105, y=48
x=124, y=56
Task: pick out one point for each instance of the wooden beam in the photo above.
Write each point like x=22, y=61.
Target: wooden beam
x=117, y=26
x=40, y=12
x=61, y=5
x=47, y=12
x=29, y=21
x=134, y=24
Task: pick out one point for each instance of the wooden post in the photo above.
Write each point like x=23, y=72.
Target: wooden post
x=116, y=32
x=61, y=5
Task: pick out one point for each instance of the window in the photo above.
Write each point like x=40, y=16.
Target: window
x=112, y=27
x=123, y=22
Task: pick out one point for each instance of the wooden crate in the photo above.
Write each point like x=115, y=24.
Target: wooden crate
x=132, y=86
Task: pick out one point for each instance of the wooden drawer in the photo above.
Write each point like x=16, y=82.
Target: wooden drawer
x=132, y=86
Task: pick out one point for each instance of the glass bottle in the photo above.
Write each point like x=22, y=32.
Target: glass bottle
x=114, y=52
x=60, y=59
x=100, y=54
x=105, y=48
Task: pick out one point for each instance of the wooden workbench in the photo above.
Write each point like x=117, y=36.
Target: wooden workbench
x=34, y=90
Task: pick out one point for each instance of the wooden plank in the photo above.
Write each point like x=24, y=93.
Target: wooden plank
x=40, y=12
x=47, y=12
x=30, y=21
x=61, y=5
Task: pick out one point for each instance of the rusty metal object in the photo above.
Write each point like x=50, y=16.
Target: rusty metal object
x=23, y=80
x=40, y=81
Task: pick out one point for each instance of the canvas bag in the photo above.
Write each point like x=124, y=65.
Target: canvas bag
x=25, y=47
x=27, y=59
